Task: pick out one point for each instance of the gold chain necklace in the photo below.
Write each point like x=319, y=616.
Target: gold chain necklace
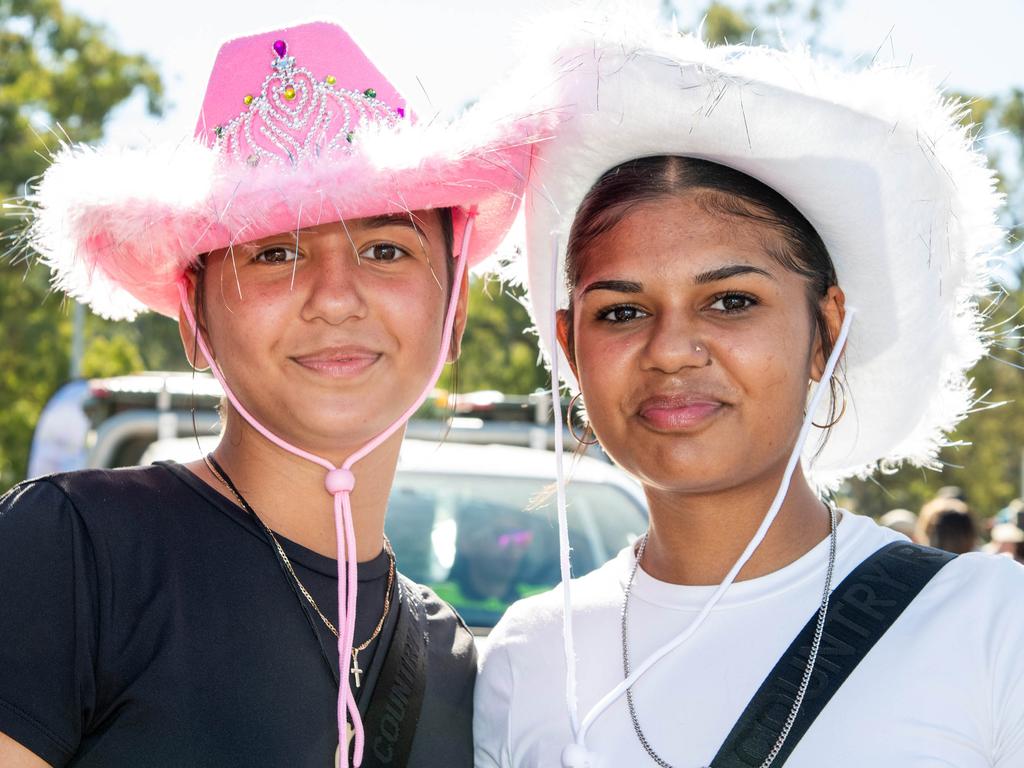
x=356, y=670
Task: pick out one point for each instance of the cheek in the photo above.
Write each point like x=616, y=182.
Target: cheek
x=606, y=364
x=415, y=310
x=411, y=313
x=771, y=367
x=245, y=322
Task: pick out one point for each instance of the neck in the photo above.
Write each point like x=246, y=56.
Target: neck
x=696, y=539
x=288, y=492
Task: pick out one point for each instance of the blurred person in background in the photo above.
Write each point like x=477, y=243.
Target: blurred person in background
x=948, y=523
x=1007, y=539
x=900, y=520
x=951, y=492
x=1012, y=513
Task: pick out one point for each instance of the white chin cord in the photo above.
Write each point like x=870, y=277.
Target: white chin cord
x=575, y=755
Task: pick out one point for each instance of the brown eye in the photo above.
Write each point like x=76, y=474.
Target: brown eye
x=620, y=314
x=383, y=252
x=277, y=254
x=733, y=302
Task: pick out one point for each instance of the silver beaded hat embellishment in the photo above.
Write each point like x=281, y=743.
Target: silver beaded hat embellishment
x=298, y=117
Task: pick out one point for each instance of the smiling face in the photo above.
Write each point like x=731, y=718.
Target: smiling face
x=692, y=345
x=327, y=338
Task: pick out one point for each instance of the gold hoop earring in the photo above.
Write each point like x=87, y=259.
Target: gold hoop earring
x=569, y=421
x=842, y=411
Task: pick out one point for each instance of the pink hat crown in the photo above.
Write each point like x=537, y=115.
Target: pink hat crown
x=330, y=138
x=294, y=96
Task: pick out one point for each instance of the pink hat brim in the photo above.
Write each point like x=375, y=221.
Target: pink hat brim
x=118, y=228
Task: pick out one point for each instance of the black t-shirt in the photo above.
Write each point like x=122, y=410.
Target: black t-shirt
x=145, y=620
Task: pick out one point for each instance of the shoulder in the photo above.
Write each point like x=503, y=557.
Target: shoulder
x=992, y=571
x=988, y=582
x=88, y=488
x=88, y=506
x=447, y=633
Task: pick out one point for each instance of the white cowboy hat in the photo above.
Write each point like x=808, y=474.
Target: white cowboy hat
x=877, y=160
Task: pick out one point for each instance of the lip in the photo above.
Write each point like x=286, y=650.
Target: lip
x=338, y=362
x=683, y=412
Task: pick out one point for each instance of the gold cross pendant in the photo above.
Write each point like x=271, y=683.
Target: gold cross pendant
x=356, y=671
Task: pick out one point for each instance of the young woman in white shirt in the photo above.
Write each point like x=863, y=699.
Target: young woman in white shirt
x=765, y=276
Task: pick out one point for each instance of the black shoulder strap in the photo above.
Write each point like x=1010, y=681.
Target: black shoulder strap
x=394, y=711
x=860, y=611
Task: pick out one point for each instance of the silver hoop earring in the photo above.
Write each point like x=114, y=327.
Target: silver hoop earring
x=571, y=423
x=842, y=411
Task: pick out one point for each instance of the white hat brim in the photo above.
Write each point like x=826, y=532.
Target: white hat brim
x=875, y=160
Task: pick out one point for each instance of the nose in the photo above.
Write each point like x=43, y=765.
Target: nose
x=334, y=290
x=674, y=343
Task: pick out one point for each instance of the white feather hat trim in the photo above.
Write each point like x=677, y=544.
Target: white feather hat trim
x=876, y=160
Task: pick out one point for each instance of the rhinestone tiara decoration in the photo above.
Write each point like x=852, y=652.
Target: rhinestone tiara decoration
x=298, y=117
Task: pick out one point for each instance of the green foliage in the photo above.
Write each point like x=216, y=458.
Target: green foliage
x=987, y=464
x=759, y=22
x=723, y=25
x=113, y=356
x=497, y=351
x=33, y=362
x=57, y=72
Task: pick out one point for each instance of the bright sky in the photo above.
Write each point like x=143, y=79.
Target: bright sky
x=455, y=48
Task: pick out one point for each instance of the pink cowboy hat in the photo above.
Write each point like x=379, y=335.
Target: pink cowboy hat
x=297, y=128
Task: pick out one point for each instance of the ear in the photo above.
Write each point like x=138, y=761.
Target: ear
x=833, y=309
x=461, y=310
x=188, y=334
x=563, y=328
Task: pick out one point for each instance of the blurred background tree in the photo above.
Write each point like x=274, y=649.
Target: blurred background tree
x=60, y=78
x=498, y=351
x=58, y=69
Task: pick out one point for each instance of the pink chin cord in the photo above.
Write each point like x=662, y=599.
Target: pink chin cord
x=339, y=483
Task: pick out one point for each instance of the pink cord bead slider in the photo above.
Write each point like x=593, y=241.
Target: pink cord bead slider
x=339, y=481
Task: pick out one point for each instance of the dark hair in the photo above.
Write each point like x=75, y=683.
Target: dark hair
x=954, y=530
x=721, y=191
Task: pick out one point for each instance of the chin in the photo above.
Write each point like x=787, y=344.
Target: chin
x=686, y=465
x=334, y=440
x=332, y=422
x=689, y=479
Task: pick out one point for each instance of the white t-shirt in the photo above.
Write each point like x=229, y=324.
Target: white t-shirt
x=943, y=687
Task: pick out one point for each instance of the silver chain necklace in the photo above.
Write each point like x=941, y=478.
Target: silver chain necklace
x=808, y=669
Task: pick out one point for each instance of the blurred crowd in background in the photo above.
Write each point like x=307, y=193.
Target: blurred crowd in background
x=948, y=522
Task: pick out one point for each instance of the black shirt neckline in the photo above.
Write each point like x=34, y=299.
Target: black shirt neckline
x=368, y=571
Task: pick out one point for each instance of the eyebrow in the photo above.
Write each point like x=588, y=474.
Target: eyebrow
x=711, y=276
x=393, y=220
x=619, y=286
x=723, y=273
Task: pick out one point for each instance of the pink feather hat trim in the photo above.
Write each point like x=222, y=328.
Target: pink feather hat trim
x=297, y=128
